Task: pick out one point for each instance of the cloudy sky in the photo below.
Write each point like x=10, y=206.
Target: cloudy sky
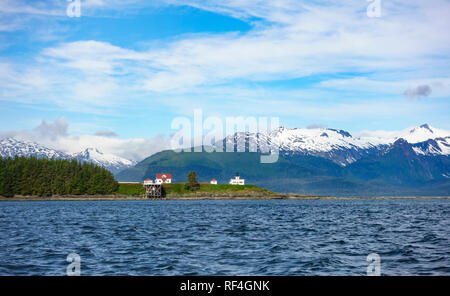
x=121, y=72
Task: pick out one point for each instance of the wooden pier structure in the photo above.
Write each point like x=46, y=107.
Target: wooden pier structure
x=152, y=190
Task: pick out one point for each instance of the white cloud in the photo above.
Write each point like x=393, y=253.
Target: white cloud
x=289, y=39
x=134, y=148
x=56, y=135
x=316, y=126
x=48, y=8
x=303, y=40
x=52, y=130
x=107, y=134
x=420, y=91
x=440, y=85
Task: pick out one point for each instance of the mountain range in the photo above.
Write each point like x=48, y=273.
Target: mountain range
x=320, y=161
x=340, y=146
x=11, y=147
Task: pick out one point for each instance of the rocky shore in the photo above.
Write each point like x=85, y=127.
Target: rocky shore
x=249, y=195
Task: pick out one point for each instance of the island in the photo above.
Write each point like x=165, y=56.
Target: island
x=32, y=179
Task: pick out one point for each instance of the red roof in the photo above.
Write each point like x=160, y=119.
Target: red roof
x=147, y=179
x=163, y=176
x=213, y=180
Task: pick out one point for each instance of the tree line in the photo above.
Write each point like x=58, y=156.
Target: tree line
x=47, y=177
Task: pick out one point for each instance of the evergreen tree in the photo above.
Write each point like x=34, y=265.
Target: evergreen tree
x=192, y=183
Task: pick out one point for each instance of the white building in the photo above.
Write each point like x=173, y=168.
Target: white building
x=148, y=181
x=163, y=178
x=213, y=181
x=237, y=180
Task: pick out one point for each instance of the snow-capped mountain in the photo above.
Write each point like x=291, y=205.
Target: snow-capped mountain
x=424, y=139
x=336, y=145
x=438, y=146
x=412, y=162
x=423, y=133
x=111, y=162
x=340, y=146
x=11, y=147
x=321, y=161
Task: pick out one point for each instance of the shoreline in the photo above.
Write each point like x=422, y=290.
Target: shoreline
x=178, y=197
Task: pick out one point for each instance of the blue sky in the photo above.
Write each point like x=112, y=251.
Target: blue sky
x=130, y=67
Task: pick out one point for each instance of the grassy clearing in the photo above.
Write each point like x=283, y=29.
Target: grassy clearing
x=131, y=189
x=178, y=188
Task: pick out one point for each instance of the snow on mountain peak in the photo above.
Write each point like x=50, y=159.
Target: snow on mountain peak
x=315, y=140
x=423, y=133
x=110, y=161
x=426, y=126
x=11, y=147
x=339, y=145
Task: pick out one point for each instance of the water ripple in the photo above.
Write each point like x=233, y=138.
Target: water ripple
x=277, y=237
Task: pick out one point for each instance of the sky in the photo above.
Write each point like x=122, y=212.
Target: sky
x=119, y=74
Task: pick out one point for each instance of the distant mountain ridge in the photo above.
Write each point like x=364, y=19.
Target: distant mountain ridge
x=321, y=161
x=111, y=162
x=11, y=147
x=340, y=146
x=324, y=161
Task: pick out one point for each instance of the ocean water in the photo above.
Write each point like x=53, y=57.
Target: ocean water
x=251, y=237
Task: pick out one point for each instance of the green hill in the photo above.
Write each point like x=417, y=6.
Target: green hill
x=300, y=174
x=397, y=172
x=223, y=165
x=179, y=189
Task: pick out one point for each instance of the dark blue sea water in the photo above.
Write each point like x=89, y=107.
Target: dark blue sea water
x=269, y=237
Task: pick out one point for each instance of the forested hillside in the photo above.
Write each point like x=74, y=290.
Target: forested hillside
x=44, y=177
